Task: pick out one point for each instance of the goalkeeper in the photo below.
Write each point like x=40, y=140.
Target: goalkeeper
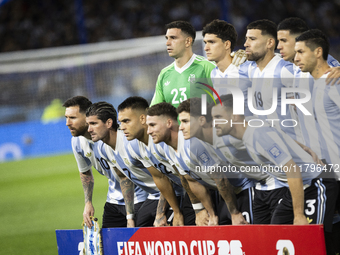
x=173, y=83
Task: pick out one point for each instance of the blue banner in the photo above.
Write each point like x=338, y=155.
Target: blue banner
x=34, y=139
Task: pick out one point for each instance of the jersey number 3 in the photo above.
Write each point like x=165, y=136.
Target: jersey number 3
x=178, y=99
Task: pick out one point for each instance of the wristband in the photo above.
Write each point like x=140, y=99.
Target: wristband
x=197, y=206
x=129, y=217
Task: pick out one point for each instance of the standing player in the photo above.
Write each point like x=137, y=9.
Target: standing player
x=287, y=31
x=174, y=81
x=311, y=56
x=84, y=153
x=102, y=120
x=272, y=73
x=220, y=39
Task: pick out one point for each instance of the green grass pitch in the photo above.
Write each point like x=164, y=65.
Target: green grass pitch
x=38, y=196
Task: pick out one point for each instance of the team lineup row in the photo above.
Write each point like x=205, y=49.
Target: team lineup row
x=152, y=161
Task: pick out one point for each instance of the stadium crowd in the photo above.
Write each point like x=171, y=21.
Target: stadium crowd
x=40, y=24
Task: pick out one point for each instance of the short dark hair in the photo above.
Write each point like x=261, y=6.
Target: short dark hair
x=163, y=109
x=266, y=26
x=227, y=101
x=293, y=25
x=103, y=111
x=81, y=101
x=223, y=30
x=315, y=38
x=135, y=103
x=193, y=106
x=185, y=26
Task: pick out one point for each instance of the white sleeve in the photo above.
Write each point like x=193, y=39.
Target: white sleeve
x=84, y=164
x=134, y=155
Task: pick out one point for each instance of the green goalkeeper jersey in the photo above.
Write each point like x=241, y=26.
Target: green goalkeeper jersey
x=175, y=85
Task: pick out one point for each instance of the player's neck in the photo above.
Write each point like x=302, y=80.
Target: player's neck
x=224, y=63
x=320, y=69
x=206, y=135
x=111, y=139
x=87, y=135
x=263, y=62
x=239, y=130
x=182, y=60
x=172, y=141
x=144, y=138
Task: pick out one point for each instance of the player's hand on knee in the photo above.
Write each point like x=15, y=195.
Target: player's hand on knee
x=178, y=219
x=160, y=221
x=88, y=212
x=213, y=220
x=130, y=223
x=202, y=218
x=238, y=219
x=300, y=220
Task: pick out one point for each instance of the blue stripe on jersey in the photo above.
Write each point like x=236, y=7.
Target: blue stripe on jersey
x=332, y=61
x=177, y=185
x=76, y=143
x=241, y=155
x=179, y=159
x=327, y=111
x=128, y=172
x=321, y=209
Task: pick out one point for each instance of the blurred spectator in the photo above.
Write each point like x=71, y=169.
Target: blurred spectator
x=46, y=23
x=53, y=112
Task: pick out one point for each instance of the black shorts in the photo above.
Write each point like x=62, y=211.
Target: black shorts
x=147, y=213
x=245, y=205
x=114, y=215
x=320, y=199
x=265, y=203
x=188, y=212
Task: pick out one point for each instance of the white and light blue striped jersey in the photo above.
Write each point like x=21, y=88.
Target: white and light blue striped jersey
x=271, y=149
x=277, y=74
x=186, y=164
x=207, y=157
x=85, y=153
x=153, y=155
x=326, y=103
x=233, y=76
x=332, y=62
x=309, y=127
x=130, y=167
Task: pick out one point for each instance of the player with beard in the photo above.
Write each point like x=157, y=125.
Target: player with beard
x=85, y=154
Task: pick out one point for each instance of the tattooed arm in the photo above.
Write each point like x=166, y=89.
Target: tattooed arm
x=202, y=217
x=128, y=192
x=88, y=182
x=227, y=192
x=203, y=196
x=164, y=185
x=160, y=215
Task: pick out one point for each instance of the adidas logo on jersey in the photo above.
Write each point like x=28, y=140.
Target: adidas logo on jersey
x=191, y=78
x=167, y=83
x=88, y=154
